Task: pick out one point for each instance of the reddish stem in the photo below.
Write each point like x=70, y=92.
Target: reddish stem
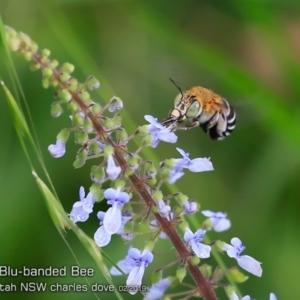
x=167, y=226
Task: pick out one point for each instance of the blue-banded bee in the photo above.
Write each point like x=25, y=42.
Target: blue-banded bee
x=203, y=108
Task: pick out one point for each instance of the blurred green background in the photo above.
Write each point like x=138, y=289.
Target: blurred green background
x=247, y=51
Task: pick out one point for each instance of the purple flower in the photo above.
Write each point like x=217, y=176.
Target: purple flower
x=126, y=265
x=134, y=264
x=81, y=209
x=113, y=218
x=57, y=150
x=175, y=173
x=159, y=132
x=246, y=262
x=112, y=170
x=194, y=165
x=101, y=236
x=163, y=209
x=157, y=290
x=194, y=239
x=189, y=207
x=141, y=260
x=273, y=296
x=218, y=220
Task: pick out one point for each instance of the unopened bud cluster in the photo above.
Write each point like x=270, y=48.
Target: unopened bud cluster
x=136, y=203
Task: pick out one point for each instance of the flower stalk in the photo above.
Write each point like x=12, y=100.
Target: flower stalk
x=131, y=174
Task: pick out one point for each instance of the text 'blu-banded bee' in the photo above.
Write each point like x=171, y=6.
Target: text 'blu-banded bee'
x=204, y=108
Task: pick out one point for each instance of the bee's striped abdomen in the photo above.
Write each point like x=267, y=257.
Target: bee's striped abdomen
x=231, y=119
x=224, y=125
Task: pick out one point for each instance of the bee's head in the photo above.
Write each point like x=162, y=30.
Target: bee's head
x=186, y=105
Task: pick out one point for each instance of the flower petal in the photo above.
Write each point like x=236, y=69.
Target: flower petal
x=113, y=219
x=230, y=250
x=273, y=296
x=101, y=237
x=134, y=279
x=112, y=170
x=201, y=250
x=124, y=265
x=182, y=152
x=222, y=225
x=57, y=150
x=157, y=290
x=250, y=264
x=201, y=165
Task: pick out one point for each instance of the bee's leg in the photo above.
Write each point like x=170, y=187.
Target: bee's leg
x=213, y=121
x=194, y=124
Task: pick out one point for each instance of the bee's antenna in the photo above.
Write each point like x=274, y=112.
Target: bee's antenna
x=176, y=86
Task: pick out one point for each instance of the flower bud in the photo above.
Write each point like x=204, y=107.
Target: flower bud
x=53, y=81
x=108, y=124
x=144, y=226
x=45, y=83
x=181, y=273
x=146, y=141
x=80, y=159
x=25, y=38
x=119, y=184
x=181, y=198
x=157, y=195
x=53, y=64
x=115, y=104
x=117, y=121
x=72, y=84
x=98, y=193
x=108, y=150
x=65, y=95
x=28, y=56
x=34, y=66
x=73, y=106
x=87, y=125
x=10, y=32
x=64, y=76
x=92, y=83
x=207, y=270
x=207, y=224
x=63, y=135
x=14, y=44
x=47, y=72
x=46, y=52
x=150, y=170
x=165, y=174
x=237, y=275
x=195, y=260
x=97, y=174
x=95, y=148
x=56, y=110
x=133, y=162
x=84, y=95
x=96, y=108
x=156, y=276
x=68, y=68
x=152, y=181
x=169, y=163
x=77, y=119
x=81, y=137
x=121, y=135
x=143, y=130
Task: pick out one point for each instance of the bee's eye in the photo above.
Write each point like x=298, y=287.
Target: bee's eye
x=194, y=110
